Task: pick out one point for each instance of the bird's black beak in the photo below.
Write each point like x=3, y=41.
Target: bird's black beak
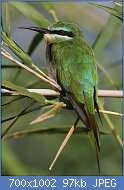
x=37, y=29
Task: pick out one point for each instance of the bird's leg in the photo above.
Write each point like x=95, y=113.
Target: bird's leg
x=64, y=142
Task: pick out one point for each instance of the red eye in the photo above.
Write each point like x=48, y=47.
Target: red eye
x=61, y=32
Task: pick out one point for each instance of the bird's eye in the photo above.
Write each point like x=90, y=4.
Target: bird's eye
x=61, y=32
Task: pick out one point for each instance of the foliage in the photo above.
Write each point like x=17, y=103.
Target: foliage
x=45, y=124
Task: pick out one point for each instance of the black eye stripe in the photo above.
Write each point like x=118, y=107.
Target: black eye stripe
x=62, y=33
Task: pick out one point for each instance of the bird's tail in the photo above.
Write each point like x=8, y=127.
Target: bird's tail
x=94, y=135
x=89, y=121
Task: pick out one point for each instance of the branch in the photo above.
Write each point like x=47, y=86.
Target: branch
x=8, y=56
x=111, y=93
x=47, y=92
x=66, y=139
x=50, y=92
x=111, y=126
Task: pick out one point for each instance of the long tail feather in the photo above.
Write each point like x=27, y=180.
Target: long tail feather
x=94, y=135
x=97, y=109
x=90, y=122
x=94, y=127
x=96, y=105
x=78, y=109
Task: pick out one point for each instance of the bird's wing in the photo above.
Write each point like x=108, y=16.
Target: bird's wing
x=76, y=73
x=76, y=70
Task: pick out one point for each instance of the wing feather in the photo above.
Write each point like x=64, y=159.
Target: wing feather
x=77, y=75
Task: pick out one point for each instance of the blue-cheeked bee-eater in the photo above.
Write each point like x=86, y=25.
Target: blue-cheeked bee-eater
x=71, y=63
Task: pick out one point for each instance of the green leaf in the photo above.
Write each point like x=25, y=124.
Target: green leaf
x=7, y=128
x=105, y=35
x=16, y=49
x=48, y=6
x=113, y=11
x=36, y=40
x=30, y=12
x=20, y=52
x=23, y=91
x=38, y=37
x=12, y=160
x=11, y=101
x=102, y=40
x=7, y=18
x=26, y=112
x=60, y=130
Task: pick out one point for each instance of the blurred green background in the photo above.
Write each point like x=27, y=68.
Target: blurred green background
x=33, y=154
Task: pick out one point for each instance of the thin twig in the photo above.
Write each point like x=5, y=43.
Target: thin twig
x=117, y=4
x=107, y=75
x=26, y=112
x=10, y=125
x=34, y=66
x=111, y=112
x=111, y=93
x=64, y=143
x=111, y=126
x=14, y=121
x=50, y=92
x=11, y=101
x=8, y=56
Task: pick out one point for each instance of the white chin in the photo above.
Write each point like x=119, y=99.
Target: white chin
x=48, y=37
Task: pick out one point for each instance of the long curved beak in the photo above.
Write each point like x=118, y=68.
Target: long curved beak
x=37, y=29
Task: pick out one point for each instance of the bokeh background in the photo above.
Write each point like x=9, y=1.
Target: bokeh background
x=33, y=154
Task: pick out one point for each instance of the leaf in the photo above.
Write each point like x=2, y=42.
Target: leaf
x=12, y=160
x=7, y=18
x=48, y=6
x=102, y=40
x=23, y=91
x=20, y=52
x=59, y=130
x=105, y=35
x=16, y=49
x=49, y=114
x=13, y=100
x=26, y=112
x=14, y=121
x=113, y=11
x=30, y=12
x=36, y=40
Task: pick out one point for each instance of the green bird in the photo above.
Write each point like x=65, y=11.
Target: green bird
x=71, y=63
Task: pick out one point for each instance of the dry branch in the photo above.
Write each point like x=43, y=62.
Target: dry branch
x=50, y=92
x=8, y=56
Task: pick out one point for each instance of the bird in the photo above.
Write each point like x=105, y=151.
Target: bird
x=72, y=64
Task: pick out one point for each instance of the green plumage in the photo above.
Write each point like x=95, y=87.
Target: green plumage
x=72, y=64
x=75, y=65
x=76, y=70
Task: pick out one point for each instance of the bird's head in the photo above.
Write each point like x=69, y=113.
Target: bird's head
x=58, y=32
